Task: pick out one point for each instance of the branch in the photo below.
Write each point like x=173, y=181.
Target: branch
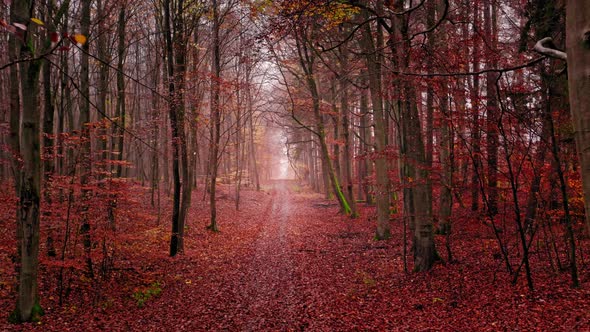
x=542, y=47
x=472, y=73
x=31, y=59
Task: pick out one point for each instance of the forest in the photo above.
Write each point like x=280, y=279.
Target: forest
x=294, y=165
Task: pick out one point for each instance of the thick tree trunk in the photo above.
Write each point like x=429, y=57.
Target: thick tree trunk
x=578, y=57
x=29, y=183
x=414, y=161
x=423, y=236
x=344, y=110
x=381, y=172
x=175, y=240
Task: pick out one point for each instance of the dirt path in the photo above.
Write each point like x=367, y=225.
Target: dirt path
x=269, y=289
x=245, y=278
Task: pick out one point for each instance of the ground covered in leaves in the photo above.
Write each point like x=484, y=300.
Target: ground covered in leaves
x=287, y=261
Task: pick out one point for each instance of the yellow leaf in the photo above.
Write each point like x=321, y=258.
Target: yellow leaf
x=80, y=39
x=38, y=21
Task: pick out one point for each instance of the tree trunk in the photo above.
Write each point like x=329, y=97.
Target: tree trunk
x=578, y=55
x=252, y=133
x=414, y=160
x=120, y=112
x=381, y=172
x=84, y=120
x=329, y=170
x=475, y=131
x=366, y=166
x=492, y=109
x=344, y=110
x=103, y=83
x=446, y=159
x=28, y=308
x=175, y=129
x=216, y=116
x=180, y=62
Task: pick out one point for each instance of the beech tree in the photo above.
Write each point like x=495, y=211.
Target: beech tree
x=29, y=174
x=577, y=51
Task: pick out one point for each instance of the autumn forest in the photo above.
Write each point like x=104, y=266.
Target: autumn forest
x=294, y=165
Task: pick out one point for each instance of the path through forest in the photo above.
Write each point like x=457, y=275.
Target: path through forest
x=270, y=277
x=261, y=286
x=288, y=261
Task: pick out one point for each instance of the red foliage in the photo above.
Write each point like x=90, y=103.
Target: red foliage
x=288, y=261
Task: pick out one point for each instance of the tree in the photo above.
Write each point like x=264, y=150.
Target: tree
x=175, y=37
x=375, y=87
x=28, y=307
x=578, y=58
x=216, y=116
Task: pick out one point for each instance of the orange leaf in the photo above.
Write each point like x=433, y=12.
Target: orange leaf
x=80, y=39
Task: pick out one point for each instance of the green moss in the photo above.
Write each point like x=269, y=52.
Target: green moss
x=36, y=314
x=143, y=295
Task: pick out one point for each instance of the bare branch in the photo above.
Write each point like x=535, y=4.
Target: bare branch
x=542, y=47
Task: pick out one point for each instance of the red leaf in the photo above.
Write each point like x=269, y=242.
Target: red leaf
x=54, y=36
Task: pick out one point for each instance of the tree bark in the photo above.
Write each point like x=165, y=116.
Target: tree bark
x=29, y=182
x=492, y=108
x=578, y=55
x=84, y=121
x=118, y=141
x=174, y=127
x=216, y=116
x=381, y=172
x=414, y=159
x=344, y=112
x=179, y=99
x=474, y=97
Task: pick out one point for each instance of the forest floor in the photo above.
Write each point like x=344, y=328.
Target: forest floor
x=288, y=261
